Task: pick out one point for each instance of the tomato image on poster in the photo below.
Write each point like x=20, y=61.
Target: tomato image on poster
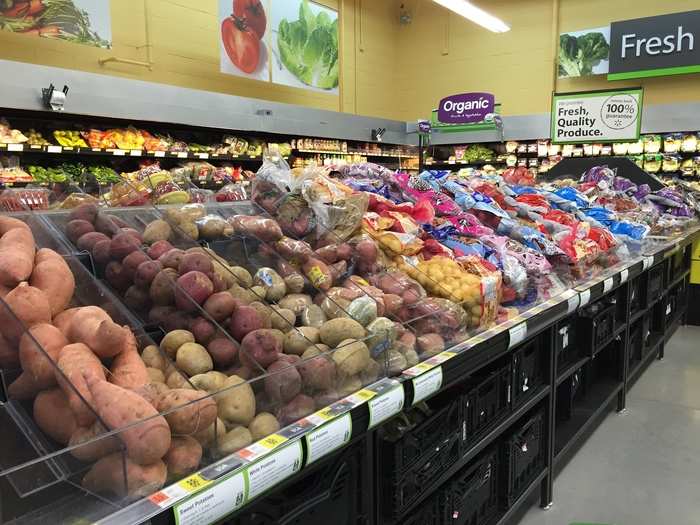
x=244, y=38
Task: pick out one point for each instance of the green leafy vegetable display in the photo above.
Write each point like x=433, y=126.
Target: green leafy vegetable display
x=579, y=55
x=309, y=47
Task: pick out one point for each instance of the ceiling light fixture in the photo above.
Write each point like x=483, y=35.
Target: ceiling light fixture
x=475, y=14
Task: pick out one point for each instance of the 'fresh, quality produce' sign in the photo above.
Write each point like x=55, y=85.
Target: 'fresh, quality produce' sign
x=655, y=46
x=466, y=108
x=596, y=116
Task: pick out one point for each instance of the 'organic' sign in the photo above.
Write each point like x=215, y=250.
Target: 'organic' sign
x=466, y=108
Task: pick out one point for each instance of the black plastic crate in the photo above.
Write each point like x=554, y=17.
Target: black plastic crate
x=565, y=343
x=414, y=451
x=637, y=303
x=596, y=326
x=569, y=392
x=471, y=496
x=693, y=315
x=335, y=491
x=523, y=456
x=528, y=369
x=678, y=263
x=654, y=285
x=636, y=342
x=487, y=401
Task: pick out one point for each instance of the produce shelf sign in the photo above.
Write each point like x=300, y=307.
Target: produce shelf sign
x=655, y=46
x=596, y=116
x=466, y=112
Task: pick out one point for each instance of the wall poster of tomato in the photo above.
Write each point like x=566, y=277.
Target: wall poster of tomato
x=85, y=22
x=244, y=38
x=304, y=43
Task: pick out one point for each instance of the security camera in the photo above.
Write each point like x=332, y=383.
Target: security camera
x=53, y=99
x=378, y=133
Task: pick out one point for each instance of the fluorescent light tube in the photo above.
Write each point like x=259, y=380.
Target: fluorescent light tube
x=475, y=14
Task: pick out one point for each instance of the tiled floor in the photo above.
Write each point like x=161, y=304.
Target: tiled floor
x=641, y=467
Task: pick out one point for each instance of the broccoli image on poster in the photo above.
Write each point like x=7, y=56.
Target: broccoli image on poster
x=583, y=53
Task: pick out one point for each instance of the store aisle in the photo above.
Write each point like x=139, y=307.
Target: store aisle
x=641, y=467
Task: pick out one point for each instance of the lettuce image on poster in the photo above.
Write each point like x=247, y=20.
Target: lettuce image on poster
x=78, y=21
x=306, y=45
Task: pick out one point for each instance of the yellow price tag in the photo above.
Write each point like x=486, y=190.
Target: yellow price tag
x=424, y=367
x=325, y=413
x=365, y=394
x=194, y=483
x=272, y=441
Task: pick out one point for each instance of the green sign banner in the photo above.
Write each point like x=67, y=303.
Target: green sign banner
x=597, y=116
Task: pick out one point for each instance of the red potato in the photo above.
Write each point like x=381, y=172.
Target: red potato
x=118, y=408
x=318, y=372
x=107, y=476
x=137, y=299
x=29, y=305
x=135, y=234
x=172, y=258
x=35, y=363
x=106, y=224
x=430, y=344
x=77, y=228
x=223, y=352
x=122, y=245
x=195, y=262
x=203, y=330
x=299, y=407
x=146, y=272
x=53, y=277
x=193, y=288
x=177, y=321
x=282, y=381
x=16, y=256
x=128, y=369
x=367, y=251
x=244, y=320
x=100, y=252
x=159, y=314
x=86, y=212
x=220, y=284
x=88, y=448
x=132, y=261
x=187, y=411
x=116, y=276
x=88, y=240
x=220, y=305
x=159, y=248
x=162, y=289
x=54, y=416
x=183, y=457
x=77, y=363
x=260, y=347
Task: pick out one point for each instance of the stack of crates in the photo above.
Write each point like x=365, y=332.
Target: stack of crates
x=596, y=326
x=523, y=456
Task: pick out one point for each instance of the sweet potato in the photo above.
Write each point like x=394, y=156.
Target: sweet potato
x=87, y=445
x=100, y=334
x=183, y=457
x=260, y=347
x=9, y=356
x=10, y=223
x=54, y=416
x=187, y=411
x=62, y=321
x=293, y=250
x=16, y=256
x=117, y=407
x=267, y=230
x=77, y=363
x=128, y=369
x=152, y=391
x=40, y=366
x=318, y=273
x=107, y=476
x=53, y=277
x=29, y=305
x=430, y=344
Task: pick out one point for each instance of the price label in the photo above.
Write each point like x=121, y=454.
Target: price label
x=118, y=152
x=54, y=149
x=648, y=261
x=203, y=155
x=383, y=407
x=272, y=441
x=624, y=275
x=194, y=483
x=573, y=304
x=273, y=469
x=135, y=152
x=327, y=438
x=584, y=297
x=159, y=154
x=517, y=334
x=425, y=385
x=607, y=285
x=212, y=504
x=182, y=154
x=15, y=147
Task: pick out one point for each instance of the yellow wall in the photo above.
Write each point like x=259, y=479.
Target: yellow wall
x=184, y=36
x=445, y=54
